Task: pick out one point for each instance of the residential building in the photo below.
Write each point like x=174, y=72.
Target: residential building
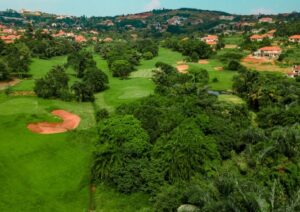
x=295, y=39
x=271, y=52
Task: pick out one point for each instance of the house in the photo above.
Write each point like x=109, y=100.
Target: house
x=175, y=21
x=295, y=39
x=80, y=39
x=295, y=72
x=226, y=18
x=107, y=40
x=107, y=23
x=271, y=52
x=266, y=20
x=210, y=40
x=10, y=38
x=258, y=37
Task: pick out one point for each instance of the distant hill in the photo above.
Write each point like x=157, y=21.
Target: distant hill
x=182, y=20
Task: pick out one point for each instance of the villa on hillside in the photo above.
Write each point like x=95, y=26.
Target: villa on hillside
x=9, y=38
x=271, y=52
x=80, y=39
x=266, y=20
x=295, y=72
x=210, y=40
x=295, y=39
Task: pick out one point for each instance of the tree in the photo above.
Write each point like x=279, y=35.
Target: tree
x=81, y=61
x=53, y=85
x=121, y=68
x=18, y=58
x=83, y=92
x=121, y=153
x=96, y=79
x=185, y=152
x=4, y=71
x=233, y=65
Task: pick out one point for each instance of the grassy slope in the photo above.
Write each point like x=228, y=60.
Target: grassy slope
x=138, y=85
x=48, y=172
x=224, y=77
x=42, y=172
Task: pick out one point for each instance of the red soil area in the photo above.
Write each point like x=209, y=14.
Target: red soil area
x=203, y=62
x=70, y=122
x=183, y=69
x=252, y=59
x=13, y=82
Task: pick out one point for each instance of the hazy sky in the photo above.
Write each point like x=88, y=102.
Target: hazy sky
x=118, y=7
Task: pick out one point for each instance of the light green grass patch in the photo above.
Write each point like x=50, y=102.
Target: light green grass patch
x=231, y=99
x=109, y=200
x=42, y=172
x=224, y=77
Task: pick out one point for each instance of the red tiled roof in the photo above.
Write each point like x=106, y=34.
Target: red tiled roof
x=295, y=37
x=80, y=39
x=256, y=37
x=270, y=48
x=297, y=68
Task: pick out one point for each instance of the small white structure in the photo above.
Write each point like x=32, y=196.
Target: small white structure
x=295, y=72
x=295, y=39
x=271, y=52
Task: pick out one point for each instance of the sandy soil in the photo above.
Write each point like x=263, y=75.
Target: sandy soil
x=219, y=68
x=13, y=82
x=203, y=62
x=70, y=122
x=183, y=69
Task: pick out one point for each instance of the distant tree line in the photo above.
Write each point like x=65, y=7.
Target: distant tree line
x=122, y=58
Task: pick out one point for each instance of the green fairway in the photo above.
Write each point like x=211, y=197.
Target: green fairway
x=38, y=69
x=122, y=91
x=224, y=77
x=42, y=172
x=108, y=199
x=231, y=99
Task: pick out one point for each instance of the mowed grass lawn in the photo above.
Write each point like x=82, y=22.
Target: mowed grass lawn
x=224, y=77
x=39, y=68
x=43, y=172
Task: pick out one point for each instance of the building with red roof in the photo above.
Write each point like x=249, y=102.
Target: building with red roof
x=257, y=37
x=295, y=72
x=295, y=39
x=10, y=38
x=269, y=52
x=266, y=20
x=211, y=39
x=80, y=39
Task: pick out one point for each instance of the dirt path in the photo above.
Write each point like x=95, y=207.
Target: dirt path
x=4, y=85
x=70, y=122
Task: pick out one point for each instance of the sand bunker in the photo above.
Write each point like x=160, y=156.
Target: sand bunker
x=70, y=122
x=203, y=62
x=219, y=68
x=183, y=69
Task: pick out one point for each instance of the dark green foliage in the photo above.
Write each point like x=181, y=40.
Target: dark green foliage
x=233, y=65
x=193, y=48
x=43, y=45
x=4, y=71
x=81, y=61
x=53, y=85
x=83, y=92
x=101, y=114
x=96, y=79
x=121, y=153
x=18, y=58
x=121, y=68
